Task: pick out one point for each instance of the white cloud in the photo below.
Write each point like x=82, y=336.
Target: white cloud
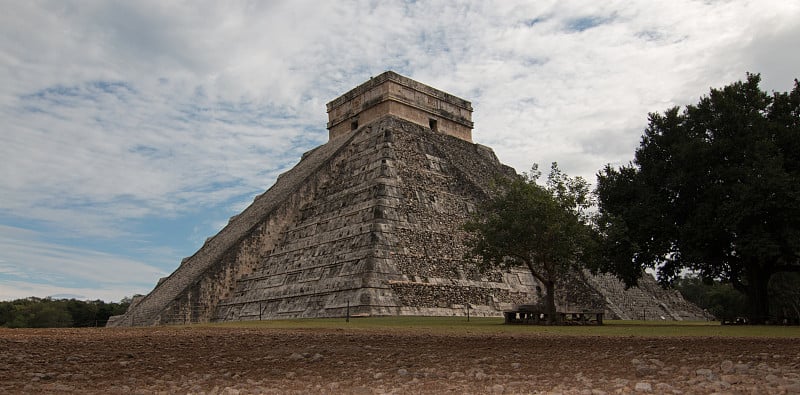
x=123, y=112
x=28, y=264
x=12, y=290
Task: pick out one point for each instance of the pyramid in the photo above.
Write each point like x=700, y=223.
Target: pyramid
x=368, y=224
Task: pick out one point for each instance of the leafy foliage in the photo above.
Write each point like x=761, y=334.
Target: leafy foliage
x=718, y=298
x=724, y=302
x=54, y=313
x=714, y=189
x=545, y=229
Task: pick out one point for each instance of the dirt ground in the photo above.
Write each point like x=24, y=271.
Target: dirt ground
x=239, y=361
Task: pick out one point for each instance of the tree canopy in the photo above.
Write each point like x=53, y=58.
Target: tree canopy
x=54, y=313
x=713, y=189
x=542, y=228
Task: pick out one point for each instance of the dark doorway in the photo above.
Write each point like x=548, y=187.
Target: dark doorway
x=433, y=124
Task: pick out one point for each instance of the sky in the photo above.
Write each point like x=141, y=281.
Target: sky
x=130, y=131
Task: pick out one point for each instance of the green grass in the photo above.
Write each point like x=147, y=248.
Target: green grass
x=460, y=325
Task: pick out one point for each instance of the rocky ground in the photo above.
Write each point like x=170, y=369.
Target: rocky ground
x=239, y=361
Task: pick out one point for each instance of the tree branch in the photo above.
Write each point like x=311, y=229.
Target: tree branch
x=534, y=272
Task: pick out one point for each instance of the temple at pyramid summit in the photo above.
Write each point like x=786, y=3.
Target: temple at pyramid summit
x=369, y=224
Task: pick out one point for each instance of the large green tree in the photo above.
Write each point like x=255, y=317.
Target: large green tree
x=713, y=189
x=543, y=228
x=718, y=298
x=48, y=312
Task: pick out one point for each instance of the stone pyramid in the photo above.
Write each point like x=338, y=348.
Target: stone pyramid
x=366, y=224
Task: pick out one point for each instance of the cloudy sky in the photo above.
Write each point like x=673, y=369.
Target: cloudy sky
x=132, y=130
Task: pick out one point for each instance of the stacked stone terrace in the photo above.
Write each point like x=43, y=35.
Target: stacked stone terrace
x=192, y=291
x=382, y=235
x=647, y=301
x=368, y=223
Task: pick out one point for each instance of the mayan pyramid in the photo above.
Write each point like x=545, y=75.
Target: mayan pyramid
x=366, y=224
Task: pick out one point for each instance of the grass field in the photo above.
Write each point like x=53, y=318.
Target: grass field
x=481, y=325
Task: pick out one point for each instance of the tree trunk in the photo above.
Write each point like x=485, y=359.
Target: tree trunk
x=550, y=299
x=758, y=294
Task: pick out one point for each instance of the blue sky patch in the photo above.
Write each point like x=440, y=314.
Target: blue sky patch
x=586, y=23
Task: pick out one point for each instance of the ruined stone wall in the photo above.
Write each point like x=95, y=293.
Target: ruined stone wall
x=326, y=257
x=455, y=295
x=573, y=293
x=369, y=224
x=647, y=301
x=381, y=231
x=441, y=180
x=200, y=301
x=391, y=93
x=442, y=117
x=201, y=267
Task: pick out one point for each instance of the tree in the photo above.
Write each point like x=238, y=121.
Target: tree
x=545, y=229
x=40, y=313
x=784, y=294
x=82, y=313
x=48, y=314
x=713, y=189
x=718, y=298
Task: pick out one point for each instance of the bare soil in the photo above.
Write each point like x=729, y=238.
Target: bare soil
x=237, y=361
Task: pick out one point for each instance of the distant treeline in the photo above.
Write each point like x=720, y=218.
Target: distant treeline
x=58, y=313
x=725, y=302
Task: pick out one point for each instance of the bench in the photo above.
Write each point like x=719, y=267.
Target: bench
x=536, y=315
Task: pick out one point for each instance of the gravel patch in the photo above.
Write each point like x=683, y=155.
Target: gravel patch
x=219, y=361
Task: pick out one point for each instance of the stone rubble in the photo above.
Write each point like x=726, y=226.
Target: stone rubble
x=341, y=361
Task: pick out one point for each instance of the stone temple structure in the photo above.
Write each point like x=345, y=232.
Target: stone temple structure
x=370, y=223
